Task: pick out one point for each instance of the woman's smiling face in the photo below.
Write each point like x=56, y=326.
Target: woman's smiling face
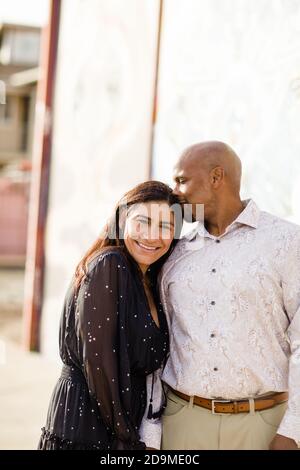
x=149, y=232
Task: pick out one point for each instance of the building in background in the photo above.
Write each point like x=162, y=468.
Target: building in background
x=19, y=60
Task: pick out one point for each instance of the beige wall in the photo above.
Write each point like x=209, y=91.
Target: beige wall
x=102, y=129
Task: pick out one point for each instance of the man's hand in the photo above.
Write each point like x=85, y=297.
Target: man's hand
x=283, y=443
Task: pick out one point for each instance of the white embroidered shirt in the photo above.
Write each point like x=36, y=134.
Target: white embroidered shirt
x=233, y=308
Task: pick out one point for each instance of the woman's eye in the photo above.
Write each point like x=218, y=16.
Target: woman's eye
x=166, y=231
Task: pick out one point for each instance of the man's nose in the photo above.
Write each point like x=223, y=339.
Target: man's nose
x=176, y=190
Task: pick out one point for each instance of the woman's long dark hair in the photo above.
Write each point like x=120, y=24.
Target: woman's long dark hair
x=113, y=233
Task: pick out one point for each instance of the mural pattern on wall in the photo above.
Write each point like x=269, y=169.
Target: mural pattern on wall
x=231, y=71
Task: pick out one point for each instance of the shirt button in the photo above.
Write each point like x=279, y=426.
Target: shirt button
x=218, y=241
x=212, y=335
x=213, y=270
x=213, y=302
x=215, y=368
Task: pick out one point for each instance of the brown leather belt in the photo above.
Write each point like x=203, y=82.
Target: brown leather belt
x=236, y=406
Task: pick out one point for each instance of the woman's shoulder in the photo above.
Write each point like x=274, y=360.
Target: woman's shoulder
x=110, y=257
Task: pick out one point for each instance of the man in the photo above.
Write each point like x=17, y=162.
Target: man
x=231, y=292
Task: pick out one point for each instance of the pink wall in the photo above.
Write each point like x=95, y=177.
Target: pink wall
x=14, y=197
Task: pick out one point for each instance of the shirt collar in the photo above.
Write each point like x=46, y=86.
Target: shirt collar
x=249, y=216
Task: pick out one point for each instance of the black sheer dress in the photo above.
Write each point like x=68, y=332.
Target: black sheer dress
x=109, y=343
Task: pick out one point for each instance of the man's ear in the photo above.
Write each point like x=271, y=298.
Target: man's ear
x=217, y=176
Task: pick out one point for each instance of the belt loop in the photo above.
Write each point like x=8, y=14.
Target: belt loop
x=251, y=406
x=191, y=402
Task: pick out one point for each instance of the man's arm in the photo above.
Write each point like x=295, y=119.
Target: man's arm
x=289, y=429
x=283, y=443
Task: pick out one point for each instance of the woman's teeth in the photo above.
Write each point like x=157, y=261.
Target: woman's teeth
x=149, y=248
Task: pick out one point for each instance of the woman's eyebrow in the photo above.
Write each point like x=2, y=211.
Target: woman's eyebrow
x=141, y=216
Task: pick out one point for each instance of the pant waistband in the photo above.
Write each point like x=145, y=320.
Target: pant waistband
x=235, y=406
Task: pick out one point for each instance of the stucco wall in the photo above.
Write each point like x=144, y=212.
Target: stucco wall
x=102, y=129
x=230, y=70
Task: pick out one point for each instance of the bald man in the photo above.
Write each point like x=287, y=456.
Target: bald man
x=231, y=292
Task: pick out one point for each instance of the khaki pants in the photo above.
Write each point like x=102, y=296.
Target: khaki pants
x=189, y=427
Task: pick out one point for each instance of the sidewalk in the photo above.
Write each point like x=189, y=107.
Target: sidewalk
x=26, y=383
x=26, y=379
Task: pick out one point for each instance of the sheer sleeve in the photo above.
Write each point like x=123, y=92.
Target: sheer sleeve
x=103, y=332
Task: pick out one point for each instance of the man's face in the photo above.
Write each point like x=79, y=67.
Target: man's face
x=192, y=185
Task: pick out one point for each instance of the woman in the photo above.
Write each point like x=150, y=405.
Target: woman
x=113, y=331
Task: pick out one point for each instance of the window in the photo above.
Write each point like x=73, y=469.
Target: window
x=20, y=47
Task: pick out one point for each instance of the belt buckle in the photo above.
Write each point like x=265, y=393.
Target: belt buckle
x=218, y=401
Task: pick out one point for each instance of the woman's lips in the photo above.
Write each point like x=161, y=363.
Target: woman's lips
x=146, y=247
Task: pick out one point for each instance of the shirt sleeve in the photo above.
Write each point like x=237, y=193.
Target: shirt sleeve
x=290, y=424
x=163, y=286
x=151, y=428
x=103, y=325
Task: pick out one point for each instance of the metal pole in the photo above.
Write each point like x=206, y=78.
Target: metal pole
x=35, y=259
x=155, y=95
